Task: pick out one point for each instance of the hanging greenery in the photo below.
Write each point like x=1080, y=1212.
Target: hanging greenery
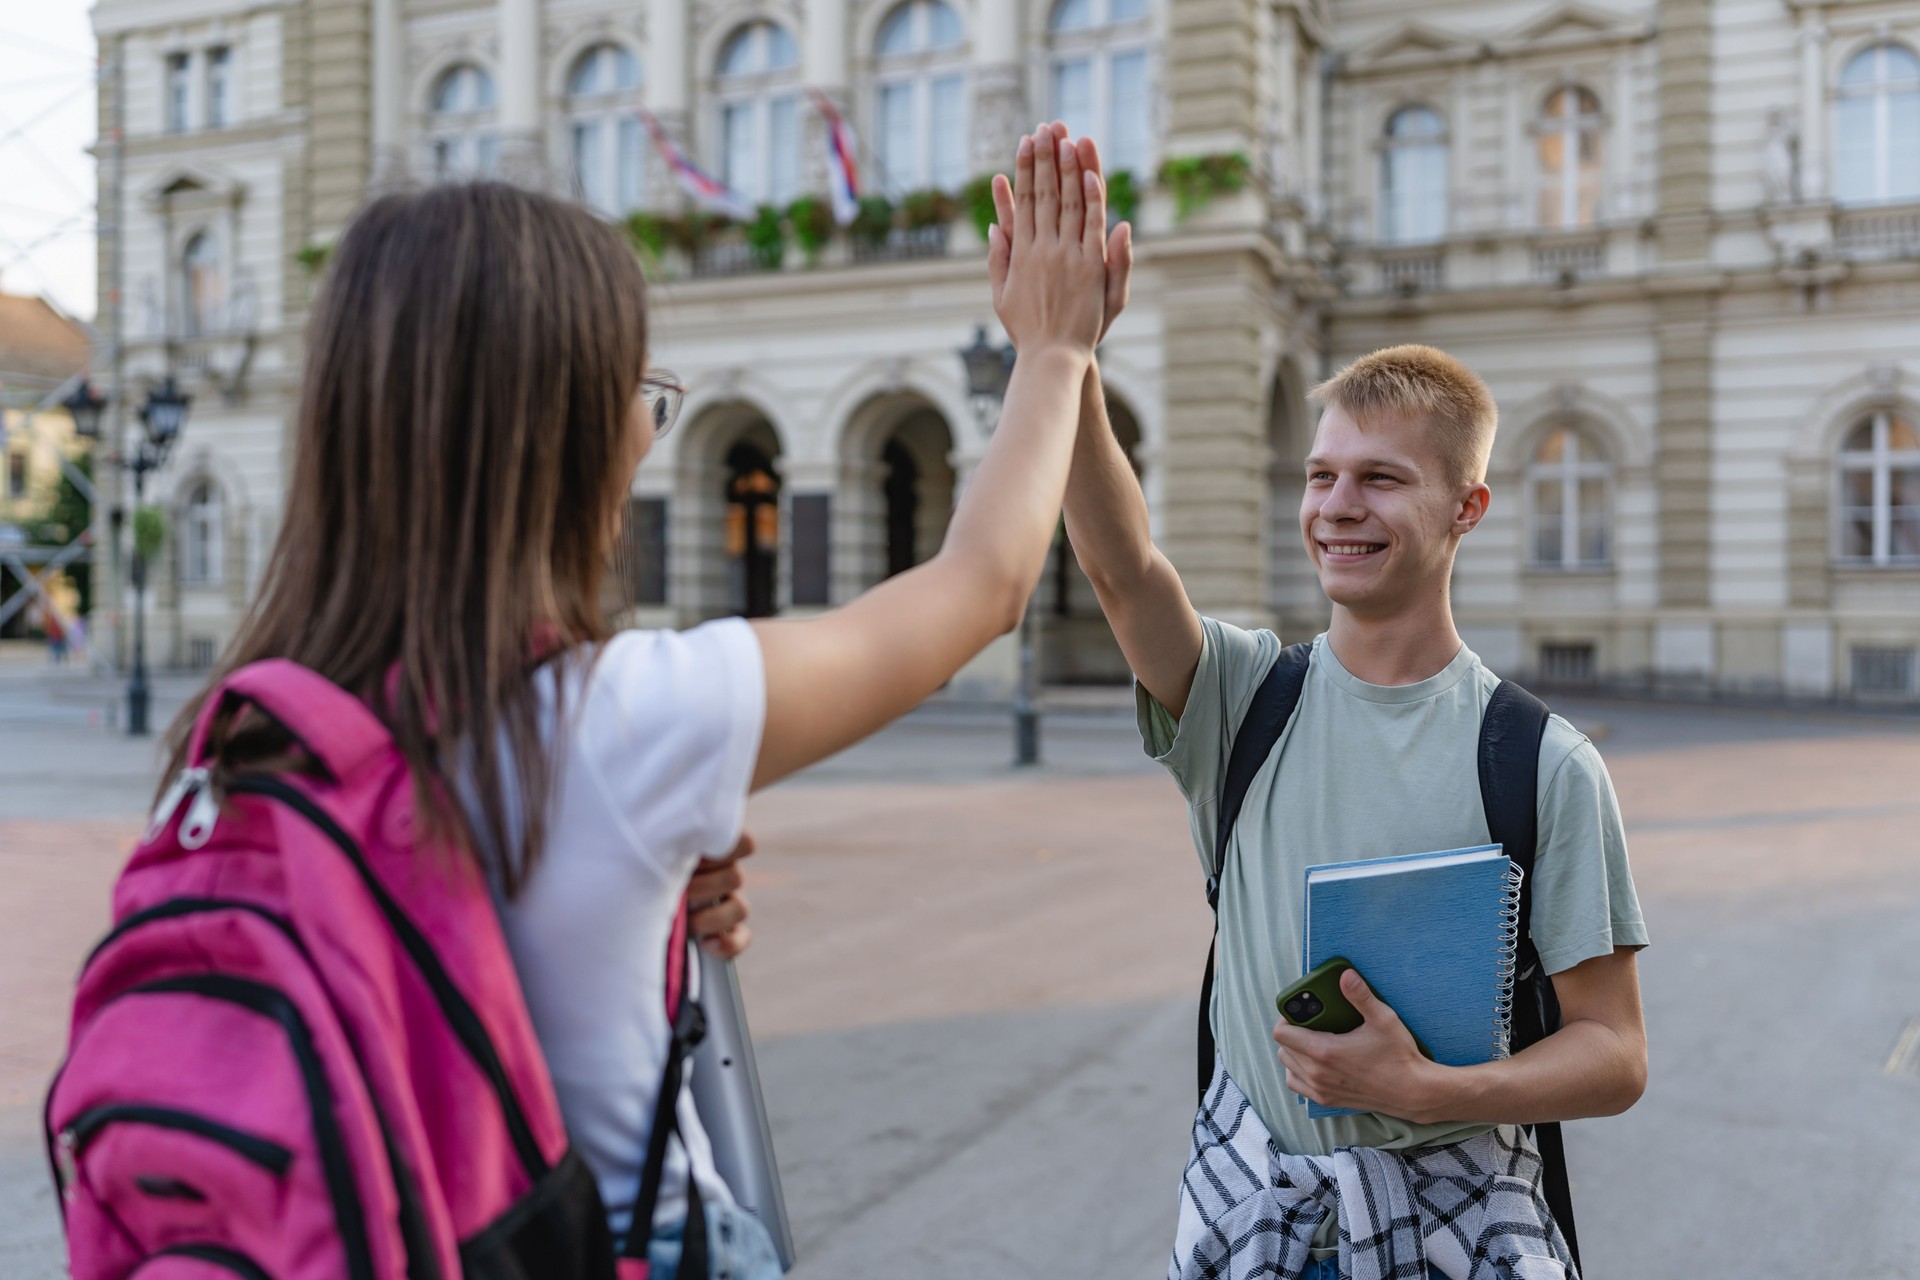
x=149, y=532
x=1123, y=198
x=1196, y=181
x=648, y=233
x=811, y=219
x=767, y=238
x=977, y=196
x=314, y=257
x=927, y=208
x=874, y=223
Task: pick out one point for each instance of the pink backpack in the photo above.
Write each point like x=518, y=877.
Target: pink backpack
x=302, y=1052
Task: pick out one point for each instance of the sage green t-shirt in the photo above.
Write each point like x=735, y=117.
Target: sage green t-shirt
x=1368, y=771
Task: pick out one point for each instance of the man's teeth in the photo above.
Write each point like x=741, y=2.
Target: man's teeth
x=1352, y=548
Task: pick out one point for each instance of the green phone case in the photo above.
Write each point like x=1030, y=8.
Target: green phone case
x=1336, y=1013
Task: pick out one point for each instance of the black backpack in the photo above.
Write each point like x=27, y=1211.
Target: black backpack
x=1510, y=734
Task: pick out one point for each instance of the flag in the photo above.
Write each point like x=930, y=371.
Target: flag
x=707, y=191
x=843, y=165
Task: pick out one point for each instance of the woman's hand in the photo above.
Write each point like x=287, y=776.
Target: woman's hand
x=717, y=909
x=1047, y=258
x=1118, y=242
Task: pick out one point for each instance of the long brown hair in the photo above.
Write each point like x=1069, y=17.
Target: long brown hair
x=462, y=452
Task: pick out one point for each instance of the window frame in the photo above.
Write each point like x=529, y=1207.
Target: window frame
x=176, y=92
x=775, y=180
x=1572, y=469
x=919, y=70
x=1394, y=146
x=470, y=134
x=1571, y=128
x=610, y=114
x=203, y=534
x=1880, y=461
x=1879, y=94
x=196, y=320
x=217, y=81
x=1100, y=43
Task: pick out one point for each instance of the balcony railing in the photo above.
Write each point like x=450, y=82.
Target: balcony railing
x=1878, y=233
x=904, y=244
x=1411, y=273
x=728, y=258
x=1565, y=261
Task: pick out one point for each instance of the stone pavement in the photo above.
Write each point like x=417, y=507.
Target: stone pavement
x=972, y=992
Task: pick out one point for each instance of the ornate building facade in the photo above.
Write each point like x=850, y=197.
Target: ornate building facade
x=1680, y=238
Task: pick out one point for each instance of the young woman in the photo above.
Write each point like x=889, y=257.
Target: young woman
x=475, y=402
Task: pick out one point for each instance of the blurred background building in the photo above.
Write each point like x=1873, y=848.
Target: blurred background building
x=42, y=509
x=1680, y=238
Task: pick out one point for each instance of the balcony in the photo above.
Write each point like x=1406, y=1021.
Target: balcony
x=1878, y=233
x=904, y=244
x=1568, y=261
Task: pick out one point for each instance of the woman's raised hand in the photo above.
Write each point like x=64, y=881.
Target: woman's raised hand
x=1047, y=258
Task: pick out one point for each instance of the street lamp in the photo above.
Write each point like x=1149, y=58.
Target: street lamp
x=163, y=415
x=85, y=406
x=989, y=369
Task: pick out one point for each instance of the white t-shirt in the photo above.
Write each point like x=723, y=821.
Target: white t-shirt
x=658, y=753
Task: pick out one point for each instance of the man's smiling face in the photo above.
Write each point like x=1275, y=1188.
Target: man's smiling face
x=1379, y=515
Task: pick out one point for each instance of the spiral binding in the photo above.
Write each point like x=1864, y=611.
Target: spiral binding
x=1509, y=947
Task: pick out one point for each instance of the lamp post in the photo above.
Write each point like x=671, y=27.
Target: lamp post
x=989, y=369
x=163, y=415
x=84, y=406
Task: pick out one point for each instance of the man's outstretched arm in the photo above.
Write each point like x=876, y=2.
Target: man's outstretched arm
x=1146, y=605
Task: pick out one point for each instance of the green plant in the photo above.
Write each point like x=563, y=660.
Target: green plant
x=767, y=237
x=977, y=196
x=811, y=219
x=1123, y=197
x=1196, y=181
x=649, y=233
x=694, y=230
x=314, y=257
x=149, y=532
x=928, y=208
x=874, y=222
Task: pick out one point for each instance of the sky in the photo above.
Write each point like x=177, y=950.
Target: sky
x=47, y=109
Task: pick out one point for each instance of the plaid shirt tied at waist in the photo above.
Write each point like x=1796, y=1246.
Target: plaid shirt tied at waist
x=1472, y=1210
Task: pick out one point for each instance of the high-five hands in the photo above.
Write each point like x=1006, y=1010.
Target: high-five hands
x=1048, y=254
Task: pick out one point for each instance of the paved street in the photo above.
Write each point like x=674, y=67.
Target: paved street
x=972, y=990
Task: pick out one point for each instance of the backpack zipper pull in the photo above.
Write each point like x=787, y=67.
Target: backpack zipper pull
x=183, y=783
x=201, y=814
x=67, y=1162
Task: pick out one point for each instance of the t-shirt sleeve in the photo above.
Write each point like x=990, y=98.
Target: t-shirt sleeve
x=680, y=716
x=1195, y=747
x=1584, y=904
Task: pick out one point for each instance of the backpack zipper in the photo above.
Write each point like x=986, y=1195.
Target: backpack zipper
x=86, y=1126
x=195, y=782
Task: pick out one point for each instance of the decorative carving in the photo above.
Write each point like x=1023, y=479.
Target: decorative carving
x=999, y=116
x=1780, y=157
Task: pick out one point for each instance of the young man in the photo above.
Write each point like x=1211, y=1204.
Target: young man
x=1379, y=758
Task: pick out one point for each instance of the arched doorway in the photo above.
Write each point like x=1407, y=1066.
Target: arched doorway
x=1077, y=645
x=896, y=490
x=753, y=532
x=1293, y=590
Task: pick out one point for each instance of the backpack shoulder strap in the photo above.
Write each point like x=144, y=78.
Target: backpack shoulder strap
x=688, y=1023
x=1253, y=741
x=1511, y=731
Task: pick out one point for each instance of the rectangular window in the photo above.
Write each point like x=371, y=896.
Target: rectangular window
x=201, y=652
x=1131, y=129
x=219, y=88
x=1883, y=671
x=1567, y=664
x=783, y=142
x=949, y=143
x=740, y=167
x=179, y=86
x=899, y=167
x=1072, y=92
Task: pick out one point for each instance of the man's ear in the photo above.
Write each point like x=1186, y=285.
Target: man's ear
x=1471, y=509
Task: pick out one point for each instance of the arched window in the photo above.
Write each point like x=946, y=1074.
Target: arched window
x=203, y=296
x=608, y=143
x=1876, y=124
x=1098, y=77
x=1413, y=177
x=1567, y=484
x=1570, y=145
x=920, y=108
x=758, y=83
x=460, y=129
x=202, y=541
x=1879, y=504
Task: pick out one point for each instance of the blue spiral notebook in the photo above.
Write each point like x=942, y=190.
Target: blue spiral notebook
x=1434, y=936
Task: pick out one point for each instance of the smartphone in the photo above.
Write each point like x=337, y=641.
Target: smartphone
x=1317, y=1003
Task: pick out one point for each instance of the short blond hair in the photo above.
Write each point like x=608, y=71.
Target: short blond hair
x=1423, y=384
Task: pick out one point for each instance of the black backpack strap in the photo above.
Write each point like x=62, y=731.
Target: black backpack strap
x=1253, y=741
x=1510, y=736
x=689, y=1029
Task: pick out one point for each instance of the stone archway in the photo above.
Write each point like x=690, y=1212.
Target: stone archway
x=1292, y=588
x=1077, y=646
x=896, y=490
x=726, y=546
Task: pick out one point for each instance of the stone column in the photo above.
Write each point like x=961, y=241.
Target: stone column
x=522, y=147
x=824, y=60
x=389, y=95
x=668, y=90
x=1813, y=108
x=1286, y=106
x=1000, y=110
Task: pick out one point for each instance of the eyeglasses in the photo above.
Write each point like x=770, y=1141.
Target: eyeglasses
x=664, y=393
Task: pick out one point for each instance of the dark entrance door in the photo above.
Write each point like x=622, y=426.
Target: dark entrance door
x=753, y=531
x=903, y=507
